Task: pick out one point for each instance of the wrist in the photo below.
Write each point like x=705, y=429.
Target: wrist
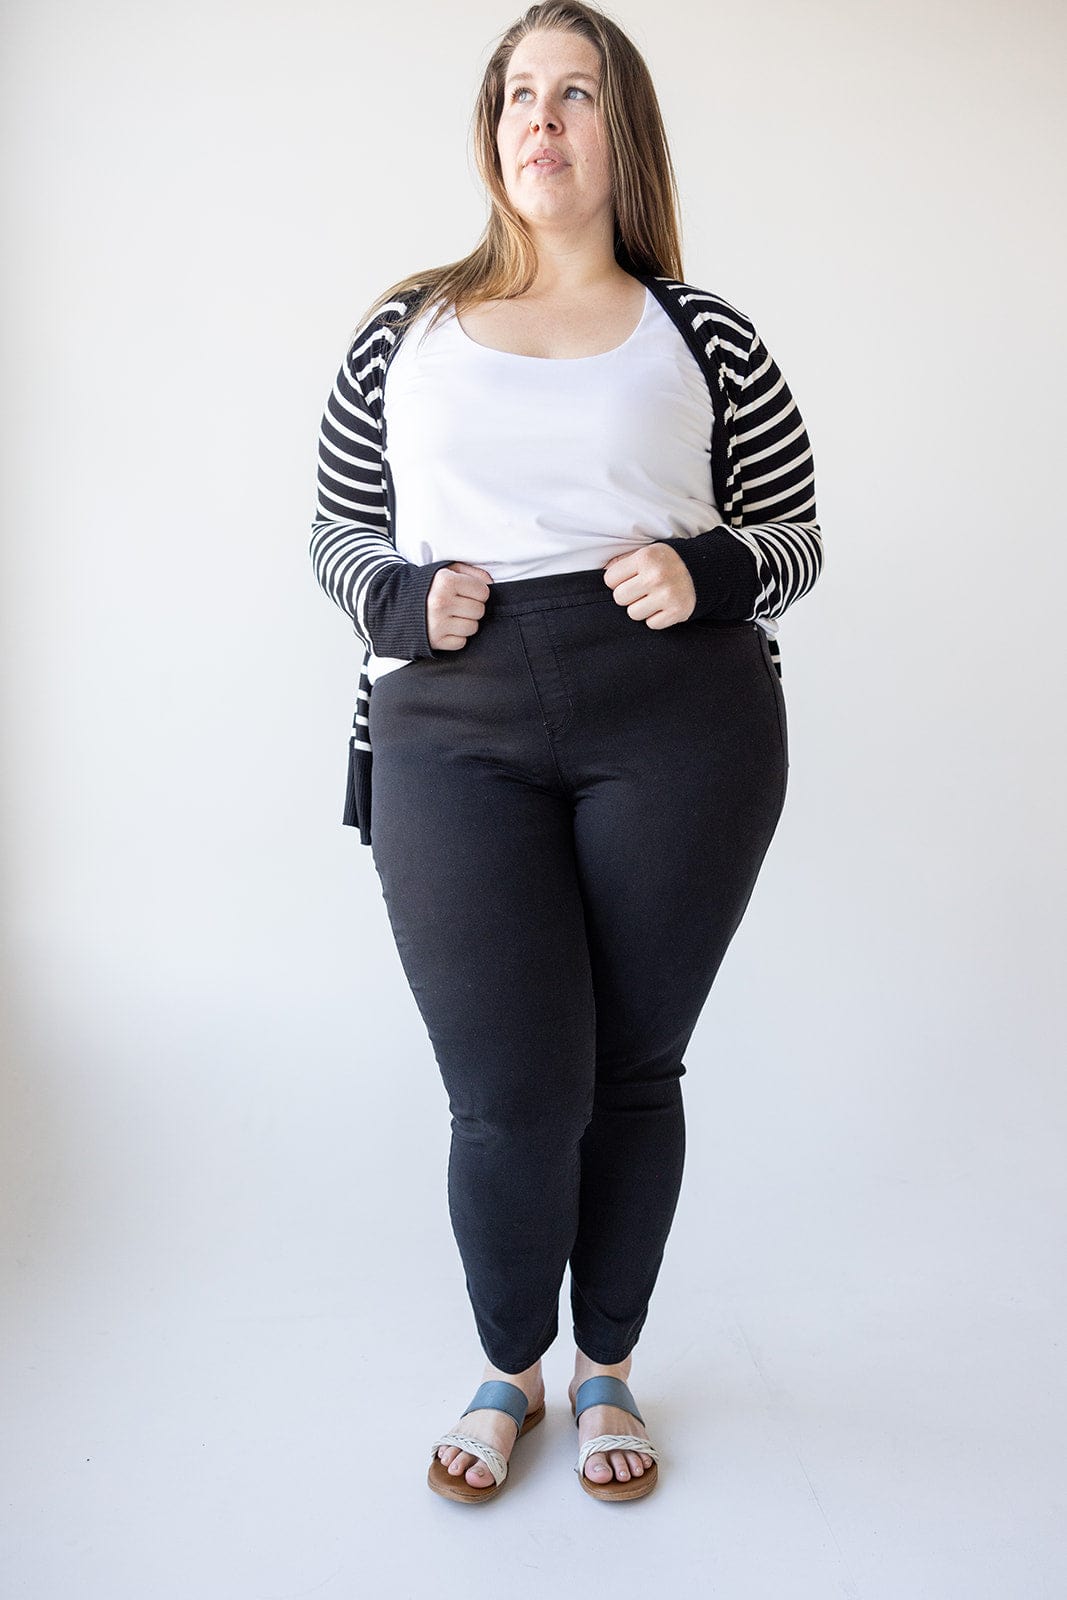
x=723, y=574
x=397, y=622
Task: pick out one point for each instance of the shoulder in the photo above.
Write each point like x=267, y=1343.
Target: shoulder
x=377, y=335
x=708, y=311
x=392, y=311
x=721, y=336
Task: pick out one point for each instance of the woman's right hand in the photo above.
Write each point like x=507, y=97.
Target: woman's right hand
x=455, y=604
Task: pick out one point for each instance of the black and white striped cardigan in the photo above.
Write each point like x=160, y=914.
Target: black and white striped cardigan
x=766, y=554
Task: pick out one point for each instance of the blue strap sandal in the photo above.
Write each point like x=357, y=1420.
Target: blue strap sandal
x=604, y=1390
x=496, y=1395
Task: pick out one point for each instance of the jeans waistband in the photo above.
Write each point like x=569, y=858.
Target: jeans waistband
x=516, y=595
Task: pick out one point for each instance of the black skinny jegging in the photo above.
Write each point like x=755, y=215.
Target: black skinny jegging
x=569, y=816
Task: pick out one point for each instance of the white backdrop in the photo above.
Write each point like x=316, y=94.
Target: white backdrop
x=228, y=1260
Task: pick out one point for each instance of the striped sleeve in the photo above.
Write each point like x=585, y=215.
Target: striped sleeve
x=352, y=547
x=768, y=552
x=771, y=486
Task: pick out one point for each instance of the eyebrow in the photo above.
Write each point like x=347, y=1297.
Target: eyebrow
x=515, y=76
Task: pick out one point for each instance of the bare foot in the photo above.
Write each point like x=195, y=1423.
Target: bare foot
x=602, y=1466
x=493, y=1427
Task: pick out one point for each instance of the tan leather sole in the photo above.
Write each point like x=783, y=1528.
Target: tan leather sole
x=454, y=1486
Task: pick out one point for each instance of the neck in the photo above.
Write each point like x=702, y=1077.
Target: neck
x=570, y=266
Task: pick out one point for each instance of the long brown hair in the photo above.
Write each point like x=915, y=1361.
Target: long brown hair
x=645, y=191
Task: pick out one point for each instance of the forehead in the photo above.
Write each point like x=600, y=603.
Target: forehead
x=555, y=51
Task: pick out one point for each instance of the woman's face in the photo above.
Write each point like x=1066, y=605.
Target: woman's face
x=551, y=90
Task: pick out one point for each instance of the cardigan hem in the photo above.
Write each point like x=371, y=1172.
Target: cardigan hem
x=358, y=792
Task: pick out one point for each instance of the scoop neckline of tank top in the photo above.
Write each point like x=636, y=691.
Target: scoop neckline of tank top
x=549, y=361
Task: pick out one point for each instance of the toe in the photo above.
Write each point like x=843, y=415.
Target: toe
x=619, y=1463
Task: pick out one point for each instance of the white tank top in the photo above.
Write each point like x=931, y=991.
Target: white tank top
x=527, y=466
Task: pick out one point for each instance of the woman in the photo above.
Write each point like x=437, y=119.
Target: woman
x=564, y=496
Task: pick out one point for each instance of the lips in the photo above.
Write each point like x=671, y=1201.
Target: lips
x=544, y=159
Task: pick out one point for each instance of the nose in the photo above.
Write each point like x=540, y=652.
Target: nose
x=548, y=121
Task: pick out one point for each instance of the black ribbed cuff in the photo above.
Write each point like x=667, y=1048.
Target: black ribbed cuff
x=724, y=575
x=396, y=609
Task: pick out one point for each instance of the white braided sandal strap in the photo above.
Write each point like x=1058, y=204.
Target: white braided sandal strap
x=477, y=1447
x=614, y=1441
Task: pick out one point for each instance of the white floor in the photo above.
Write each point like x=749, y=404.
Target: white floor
x=232, y=1337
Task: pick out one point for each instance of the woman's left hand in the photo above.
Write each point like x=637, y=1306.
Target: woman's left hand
x=653, y=583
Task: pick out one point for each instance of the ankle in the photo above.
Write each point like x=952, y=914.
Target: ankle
x=530, y=1380
x=586, y=1367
